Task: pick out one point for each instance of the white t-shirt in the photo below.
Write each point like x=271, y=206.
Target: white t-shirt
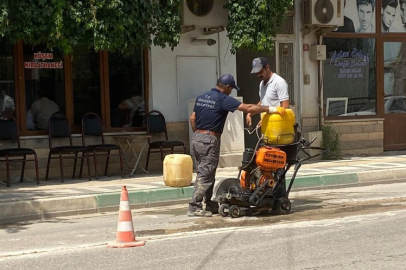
x=274, y=91
x=42, y=110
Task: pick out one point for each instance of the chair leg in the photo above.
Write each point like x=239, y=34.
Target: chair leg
x=184, y=149
x=49, y=161
x=162, y=155
x=146, y=165
x=81, y=167
x=36, y=167
x=23, y=168
x=95, y=164
x=74, y=165
x=88, y=164
x=8, y=171
x=107, y=163
x=61, y=166
x=121, y=162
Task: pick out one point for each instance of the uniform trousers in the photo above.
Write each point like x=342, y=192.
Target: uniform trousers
x=206, y=149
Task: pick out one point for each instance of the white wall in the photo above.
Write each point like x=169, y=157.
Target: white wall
x=309, y=92
x=163, y=74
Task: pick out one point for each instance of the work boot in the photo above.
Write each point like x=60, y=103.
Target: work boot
x=199, y=213
x=212, y=207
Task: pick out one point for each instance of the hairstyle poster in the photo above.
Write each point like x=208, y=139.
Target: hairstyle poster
x=359, y=16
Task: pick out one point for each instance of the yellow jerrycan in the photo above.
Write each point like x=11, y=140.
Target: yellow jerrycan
x=178, y=170
x=278, y=129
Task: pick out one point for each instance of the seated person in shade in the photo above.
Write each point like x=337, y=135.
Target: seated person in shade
x=7, y=106
x=132, y=105
x=42, y=109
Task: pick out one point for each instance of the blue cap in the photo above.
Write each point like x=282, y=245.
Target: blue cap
x=228, y=79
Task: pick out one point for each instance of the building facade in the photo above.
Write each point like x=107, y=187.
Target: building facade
x=356, y=84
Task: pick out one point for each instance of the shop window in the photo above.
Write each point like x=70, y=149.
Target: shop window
x=349, y=74
x=7, y=92
x=85, y=83
x=126, y=85
x=108, y=84
x=44, y=84
x=394, y=77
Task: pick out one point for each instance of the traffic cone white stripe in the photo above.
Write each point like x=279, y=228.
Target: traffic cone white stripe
x=125, y=226
x=125, y=231
x=124, y=206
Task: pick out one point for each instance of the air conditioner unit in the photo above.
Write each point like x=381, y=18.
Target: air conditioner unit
x=323, y=12
x=204, y=13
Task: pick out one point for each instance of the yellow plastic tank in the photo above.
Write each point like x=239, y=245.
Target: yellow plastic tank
x=178, y=170
x=278, y=129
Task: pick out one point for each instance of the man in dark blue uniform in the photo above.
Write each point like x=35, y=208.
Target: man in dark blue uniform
x=207, y=120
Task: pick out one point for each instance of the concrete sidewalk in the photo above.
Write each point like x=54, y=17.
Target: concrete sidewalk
x=27, y=201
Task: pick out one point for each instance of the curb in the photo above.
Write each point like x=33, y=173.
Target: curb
x=89, y=204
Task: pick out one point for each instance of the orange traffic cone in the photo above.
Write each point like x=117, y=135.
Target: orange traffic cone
x=125, y=230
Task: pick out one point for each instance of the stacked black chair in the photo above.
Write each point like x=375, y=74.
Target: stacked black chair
x=156, y=124
x=92, y=126
x=9, y=132
x=59, y=128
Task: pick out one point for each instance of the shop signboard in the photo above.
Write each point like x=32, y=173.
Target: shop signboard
x=36, y=64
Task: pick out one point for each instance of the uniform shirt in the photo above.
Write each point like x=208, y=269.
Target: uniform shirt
x=211, y=110
x=274, y=91
x=42, y=110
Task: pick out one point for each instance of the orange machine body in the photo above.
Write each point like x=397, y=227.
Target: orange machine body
x=270, y=158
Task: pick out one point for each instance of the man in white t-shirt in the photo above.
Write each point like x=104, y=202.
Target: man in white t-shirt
x=273, y=89
x=42, y=110
x=273, y=92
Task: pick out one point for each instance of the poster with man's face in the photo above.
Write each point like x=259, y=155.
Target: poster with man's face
x=359, y=16
x=393, y=16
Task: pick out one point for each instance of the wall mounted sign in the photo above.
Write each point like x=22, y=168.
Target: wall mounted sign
x=350, y=63
x=43, y=56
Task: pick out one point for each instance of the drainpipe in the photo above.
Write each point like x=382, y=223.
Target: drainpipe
x=218, y=54
x=320, y=74
x=299, y=63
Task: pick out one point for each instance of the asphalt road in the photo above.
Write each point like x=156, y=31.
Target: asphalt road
x=352, y=228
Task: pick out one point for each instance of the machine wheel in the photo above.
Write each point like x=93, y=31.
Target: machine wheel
x=286, y=205
x=223, y=187
x=283, y=206
x=224, y=210
x=234, y=211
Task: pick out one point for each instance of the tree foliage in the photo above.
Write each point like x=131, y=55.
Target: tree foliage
x=252, y=24
x=113, y=25
x=121, y=25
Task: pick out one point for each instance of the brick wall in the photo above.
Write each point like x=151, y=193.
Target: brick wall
x=360, y=137
x=309, y=124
